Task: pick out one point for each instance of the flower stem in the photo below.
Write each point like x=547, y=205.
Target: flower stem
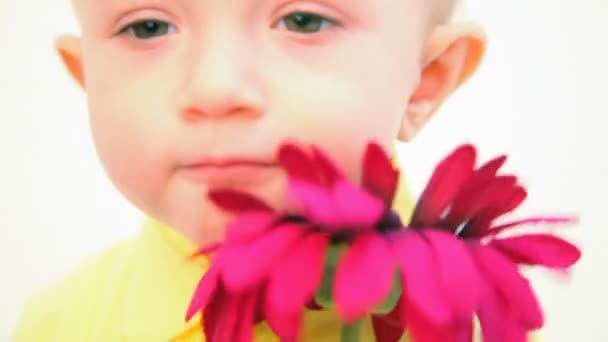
x=351, y=332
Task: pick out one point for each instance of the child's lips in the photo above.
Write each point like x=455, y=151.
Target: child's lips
x=229, y=172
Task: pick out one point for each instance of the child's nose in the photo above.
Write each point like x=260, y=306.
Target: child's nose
x=221, y=82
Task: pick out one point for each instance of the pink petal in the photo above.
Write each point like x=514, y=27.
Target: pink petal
x=314, y=202
x=379, y=176
x=511, y=285
x=496, y=323
x=458, y=274
x=447, y=179
x=539, y=249
x=249, y=264
x=355, y=206
x=529, y=221
x=237, y=201
x=293, y=284
x=420, y=277
x=204, y=291
x=284, y=325
x=364, y=276
x=298, y=164
x=248, y=226
x=345, y=207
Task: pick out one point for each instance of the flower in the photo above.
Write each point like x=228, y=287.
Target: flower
x=431, y=276
x=262, y=251
x=268, y=250
x=450, y=261
x=456, y=215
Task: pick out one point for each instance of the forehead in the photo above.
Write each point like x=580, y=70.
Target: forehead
x=364, y=4
x=393, y=15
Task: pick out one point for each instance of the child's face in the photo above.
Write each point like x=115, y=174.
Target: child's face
x=188, y=95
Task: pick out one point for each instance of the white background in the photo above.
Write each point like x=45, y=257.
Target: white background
x=540, y=96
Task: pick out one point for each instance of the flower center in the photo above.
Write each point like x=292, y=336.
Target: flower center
x=390, y=222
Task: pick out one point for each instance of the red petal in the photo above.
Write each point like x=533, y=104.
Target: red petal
x=250, y=263
x=420, y=277
x=226, y=326
x=479, y=225
x=420, y=330
x=473, y=189
x=490, y=168
x=458, y=274
x=248, y=226
x=493, y=194
x=204, y=291
x=529, y=221
x=298, y=164
x=208, y=249
x=237, y=201
x=212, y=314
x=511, y=285
x=379, y=176
x=539, y=249
x=386, y=332
x=293, y=284
x=329, y=172
x=483, y=175
x=244, y=327
x=446, y=181
x=388, y=328
x=364, y=276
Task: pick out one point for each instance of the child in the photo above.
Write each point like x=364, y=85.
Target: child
x=185, y=96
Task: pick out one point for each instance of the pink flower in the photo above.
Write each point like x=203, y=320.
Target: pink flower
x=327, y=198
x=431, y=278
x=259, y=264
x=455, y=216
x=450, y=262
x=284, y=253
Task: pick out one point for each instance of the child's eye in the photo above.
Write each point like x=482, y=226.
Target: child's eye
x=148, y=29
x=304, y=22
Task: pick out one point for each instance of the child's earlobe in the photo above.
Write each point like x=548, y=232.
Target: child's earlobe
x=69, y=49
x=453, y=53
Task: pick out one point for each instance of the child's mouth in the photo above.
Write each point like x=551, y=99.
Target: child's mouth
x=229, y=171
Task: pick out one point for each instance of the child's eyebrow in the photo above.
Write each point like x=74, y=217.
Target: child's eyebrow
x=101, y=8
x=112, y=3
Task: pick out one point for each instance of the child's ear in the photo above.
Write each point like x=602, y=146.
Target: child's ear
x=69, y=49
x=453, y=53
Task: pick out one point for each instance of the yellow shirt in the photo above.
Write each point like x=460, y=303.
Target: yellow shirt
x=138, y=291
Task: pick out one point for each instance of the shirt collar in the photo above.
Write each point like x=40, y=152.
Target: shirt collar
x=163, y=279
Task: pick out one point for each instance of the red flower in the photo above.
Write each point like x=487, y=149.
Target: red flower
x=450, y=263
x=456, y=216
x=327, y=198
x=259, y=264
x=268, y=250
